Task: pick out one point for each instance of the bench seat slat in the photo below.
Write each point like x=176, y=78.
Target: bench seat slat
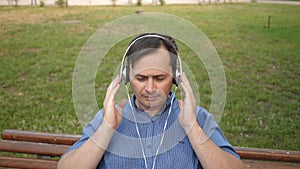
x=267, y=154
x=255, y=164
x=33, y=148
x=28, y=163
x=41, y=137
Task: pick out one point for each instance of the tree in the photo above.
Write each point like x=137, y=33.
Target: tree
x=162, y=2
x=139, y=3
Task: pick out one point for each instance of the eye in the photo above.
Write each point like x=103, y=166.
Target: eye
x=141, y=78
x=160, y=78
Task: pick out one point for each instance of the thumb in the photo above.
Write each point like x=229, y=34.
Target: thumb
x=121, y=105
x=180, y=104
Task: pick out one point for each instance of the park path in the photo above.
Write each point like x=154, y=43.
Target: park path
x=279, y=2
x=124, y=2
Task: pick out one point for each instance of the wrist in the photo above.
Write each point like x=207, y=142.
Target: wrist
x=103, y=135
x=197, y=133
x=106, y=128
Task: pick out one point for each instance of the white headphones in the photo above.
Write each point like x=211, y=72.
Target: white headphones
x=125, y=68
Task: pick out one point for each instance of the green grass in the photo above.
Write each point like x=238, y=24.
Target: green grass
x=38, y=54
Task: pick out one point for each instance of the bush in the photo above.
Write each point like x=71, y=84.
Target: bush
x=60, y=3
x=42, y=3
x=162, y=2
x=139, y=3
x=114, y=2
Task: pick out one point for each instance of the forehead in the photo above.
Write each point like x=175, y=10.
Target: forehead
x=157, y=61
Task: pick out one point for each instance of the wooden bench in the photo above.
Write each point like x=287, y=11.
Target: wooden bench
x=44, y=149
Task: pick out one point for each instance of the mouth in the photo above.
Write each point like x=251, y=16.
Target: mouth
x=151, y=98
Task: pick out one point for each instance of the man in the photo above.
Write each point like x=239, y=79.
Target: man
x=163, y=132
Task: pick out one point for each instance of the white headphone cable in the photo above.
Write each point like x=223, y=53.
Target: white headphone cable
x=138, y=132
x=136, y=127
x=163, y=134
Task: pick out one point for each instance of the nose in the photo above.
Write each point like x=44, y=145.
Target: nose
x=150, y=85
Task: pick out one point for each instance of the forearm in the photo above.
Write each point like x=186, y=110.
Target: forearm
x=209, y=154
x=90, y=153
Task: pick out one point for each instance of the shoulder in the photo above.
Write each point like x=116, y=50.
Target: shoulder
x=94, y=124
x=203, y=116
x=207, y=121
x=88, y=130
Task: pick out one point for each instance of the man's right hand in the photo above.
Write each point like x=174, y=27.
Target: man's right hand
x=113, y=114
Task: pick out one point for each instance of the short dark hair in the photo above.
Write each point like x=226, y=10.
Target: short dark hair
x=148, y=45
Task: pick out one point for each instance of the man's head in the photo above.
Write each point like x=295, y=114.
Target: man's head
x=152, y=64
x=148, y=43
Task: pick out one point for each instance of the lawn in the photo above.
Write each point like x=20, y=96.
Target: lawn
x=39, y=49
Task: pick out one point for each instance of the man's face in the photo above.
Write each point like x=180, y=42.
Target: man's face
x=151, y=80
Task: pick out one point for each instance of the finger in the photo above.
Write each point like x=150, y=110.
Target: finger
x=187, y=83
x=112, y=86
x=121, y=105
x=187, y=88
x=180, y=104
x=111, y=96
x=114, y=91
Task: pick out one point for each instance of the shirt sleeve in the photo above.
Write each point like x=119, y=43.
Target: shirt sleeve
x=213, y=131
x=88, y=131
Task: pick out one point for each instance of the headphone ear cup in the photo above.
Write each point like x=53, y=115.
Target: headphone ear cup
x=127, y=74
x=124, y=74
x=176, y=79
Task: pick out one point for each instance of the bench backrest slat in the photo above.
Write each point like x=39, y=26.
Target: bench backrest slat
x=40, y=137
x=268, y=154
x=33, y=148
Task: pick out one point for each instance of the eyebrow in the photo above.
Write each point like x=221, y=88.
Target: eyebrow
x=141, y=75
